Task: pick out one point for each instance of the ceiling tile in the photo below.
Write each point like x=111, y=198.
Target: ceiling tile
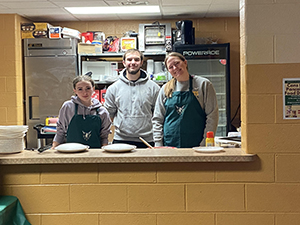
x=139, y=17
x=88, y=3
x=74, y=1
x=223, y=10
x=184, y=3
x=170, y=9
x=186, y=10
x=2, y=7
x=222, y=2
x=28, y=5
x=23, y=1
x=37, y=12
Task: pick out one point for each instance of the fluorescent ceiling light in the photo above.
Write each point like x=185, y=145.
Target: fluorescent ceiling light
x=114, y=10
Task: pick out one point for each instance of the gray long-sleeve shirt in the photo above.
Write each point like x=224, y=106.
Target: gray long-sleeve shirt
x=205, y=94
x=67, y=112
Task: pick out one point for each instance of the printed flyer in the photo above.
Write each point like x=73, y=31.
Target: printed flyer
x=291, y=98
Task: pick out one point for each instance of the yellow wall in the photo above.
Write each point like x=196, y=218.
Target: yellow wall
x=264, y=192
x=156, y=194
x=11, y=79
x=269, y=53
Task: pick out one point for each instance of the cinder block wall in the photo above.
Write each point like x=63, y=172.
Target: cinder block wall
x=156, y=194
x=269, y=53
x=11, y=79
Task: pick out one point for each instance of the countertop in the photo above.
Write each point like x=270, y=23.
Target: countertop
x=158, y=155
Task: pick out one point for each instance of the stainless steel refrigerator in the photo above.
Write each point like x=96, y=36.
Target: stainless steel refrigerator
x=212, y=62
x=50, y=66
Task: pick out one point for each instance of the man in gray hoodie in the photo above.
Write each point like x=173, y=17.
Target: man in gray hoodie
x=130, y=102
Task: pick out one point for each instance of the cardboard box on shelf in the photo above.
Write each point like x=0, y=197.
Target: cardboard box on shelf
x=70, y=33
x=34, y=30
x=84, y=48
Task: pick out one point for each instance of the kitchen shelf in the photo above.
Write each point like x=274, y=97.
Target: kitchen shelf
x=117, y=56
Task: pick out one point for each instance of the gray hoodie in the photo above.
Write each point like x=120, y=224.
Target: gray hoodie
x=131, y=105
x=67, y=112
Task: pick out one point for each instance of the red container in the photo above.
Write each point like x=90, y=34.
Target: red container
x=102, y=95
x=87, y=37
x=96, y=95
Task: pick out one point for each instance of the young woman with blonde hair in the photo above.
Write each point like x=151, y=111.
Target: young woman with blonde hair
x=186, y=107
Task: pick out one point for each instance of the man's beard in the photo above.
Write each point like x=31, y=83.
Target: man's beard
x=133, y=72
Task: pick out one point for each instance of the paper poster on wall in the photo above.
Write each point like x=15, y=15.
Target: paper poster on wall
x=291, y=98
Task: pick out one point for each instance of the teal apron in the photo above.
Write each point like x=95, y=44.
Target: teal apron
x=184, y=120
x=85, y=129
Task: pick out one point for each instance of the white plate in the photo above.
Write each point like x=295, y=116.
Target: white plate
x=118, y=148
x=71, y=147
x=208, y=149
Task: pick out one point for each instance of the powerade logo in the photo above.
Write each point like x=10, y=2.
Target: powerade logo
x=201, y=53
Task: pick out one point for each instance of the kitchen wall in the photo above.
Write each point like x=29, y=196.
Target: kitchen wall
x=264, y=192
x=223, y=30
x=11, y=104
x=11, y=78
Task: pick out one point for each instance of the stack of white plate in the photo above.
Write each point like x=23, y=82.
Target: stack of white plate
x=12, y=138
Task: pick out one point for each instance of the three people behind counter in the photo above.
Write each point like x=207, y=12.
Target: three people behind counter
x=177, y=115
x=83, y=119
x=186, y=107
x=130, y=102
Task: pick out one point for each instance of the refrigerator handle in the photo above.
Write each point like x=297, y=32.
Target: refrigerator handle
x=34, y=108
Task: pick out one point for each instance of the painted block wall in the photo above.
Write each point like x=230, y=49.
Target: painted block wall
x=159, y=194
x=11, y=78
x=269, y=53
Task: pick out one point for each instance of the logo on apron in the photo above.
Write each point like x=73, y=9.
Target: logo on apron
x=86, y=135
x=179, y=109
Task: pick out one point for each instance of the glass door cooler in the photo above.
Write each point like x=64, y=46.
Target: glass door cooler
x=212, y=62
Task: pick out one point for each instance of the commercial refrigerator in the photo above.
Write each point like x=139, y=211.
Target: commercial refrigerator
x=49, y=67
x=212, y=62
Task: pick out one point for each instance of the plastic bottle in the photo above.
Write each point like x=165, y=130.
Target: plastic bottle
x=210, y=140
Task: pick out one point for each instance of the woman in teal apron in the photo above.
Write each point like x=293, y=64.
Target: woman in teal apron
x=83, y=119
x=186, y=107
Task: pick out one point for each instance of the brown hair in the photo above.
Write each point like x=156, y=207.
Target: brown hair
x=170, y=85
x=131, y=51
x=83, y=78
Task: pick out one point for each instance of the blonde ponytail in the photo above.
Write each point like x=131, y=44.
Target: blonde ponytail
x=170, y=87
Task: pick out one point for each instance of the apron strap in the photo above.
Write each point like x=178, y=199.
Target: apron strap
x=191, y=84
x=76, y=108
